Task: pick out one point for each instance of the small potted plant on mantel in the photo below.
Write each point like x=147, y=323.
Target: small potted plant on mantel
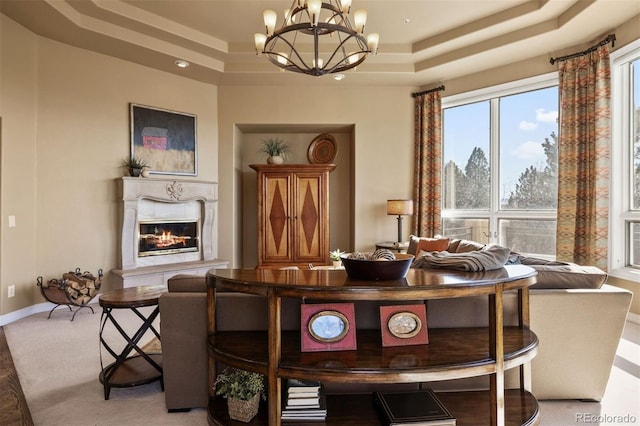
x=276, y=150
x=243, y=390
x=136, y=166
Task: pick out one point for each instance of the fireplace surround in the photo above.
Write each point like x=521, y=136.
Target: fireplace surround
x=168, y=227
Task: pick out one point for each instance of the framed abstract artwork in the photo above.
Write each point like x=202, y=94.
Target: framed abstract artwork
x=328, y=327
x=166, y=140
x=402, y=325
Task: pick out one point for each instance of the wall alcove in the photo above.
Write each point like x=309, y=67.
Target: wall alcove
x=249, y=142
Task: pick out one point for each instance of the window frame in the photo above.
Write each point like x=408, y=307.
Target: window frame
x=492, y=94
x=620, y=201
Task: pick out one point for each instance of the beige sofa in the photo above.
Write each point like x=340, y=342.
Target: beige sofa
x=578, y=330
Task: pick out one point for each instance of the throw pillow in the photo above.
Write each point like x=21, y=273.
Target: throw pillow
x=464, y=246
x=416, y=244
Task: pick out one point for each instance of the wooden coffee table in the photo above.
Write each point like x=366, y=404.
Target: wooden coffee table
x=139, y=369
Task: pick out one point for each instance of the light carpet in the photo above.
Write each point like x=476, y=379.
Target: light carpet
x=58, y=363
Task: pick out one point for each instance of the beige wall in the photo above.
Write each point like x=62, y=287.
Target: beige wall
x=18, y=109
x=65, y=117
x=382, y=163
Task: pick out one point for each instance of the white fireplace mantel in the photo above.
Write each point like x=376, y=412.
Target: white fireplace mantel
x=150, y=198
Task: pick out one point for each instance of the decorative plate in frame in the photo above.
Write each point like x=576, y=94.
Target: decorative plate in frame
x=327, y=327
x=403, y=325
x=322, y=149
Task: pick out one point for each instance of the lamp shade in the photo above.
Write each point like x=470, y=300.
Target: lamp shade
x=400, y=207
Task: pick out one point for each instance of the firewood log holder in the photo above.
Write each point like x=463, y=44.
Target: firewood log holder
x=73, y=289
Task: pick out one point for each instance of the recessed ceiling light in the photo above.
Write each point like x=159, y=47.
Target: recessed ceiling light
x=338, y=77
x=181, y=63
x=407, y=20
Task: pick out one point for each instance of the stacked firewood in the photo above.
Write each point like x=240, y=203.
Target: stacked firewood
x=80, y=287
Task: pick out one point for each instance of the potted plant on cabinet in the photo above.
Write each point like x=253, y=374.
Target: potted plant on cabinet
x=335, y=257
x=135, y=166
x=243, y=390
x=276, y=150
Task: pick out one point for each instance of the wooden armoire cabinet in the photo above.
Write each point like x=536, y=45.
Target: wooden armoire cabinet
x=293, y=214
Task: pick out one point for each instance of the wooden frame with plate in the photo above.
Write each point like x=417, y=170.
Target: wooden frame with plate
x=327, y=327
x=402, y=325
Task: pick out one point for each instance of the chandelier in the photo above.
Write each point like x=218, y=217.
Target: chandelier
x=316, y=37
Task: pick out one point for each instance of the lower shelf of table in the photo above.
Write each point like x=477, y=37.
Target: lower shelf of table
x=133, y=371
x=471, y=408
x=451, y=353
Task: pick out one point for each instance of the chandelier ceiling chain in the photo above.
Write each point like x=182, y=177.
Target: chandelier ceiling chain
x=316, y=38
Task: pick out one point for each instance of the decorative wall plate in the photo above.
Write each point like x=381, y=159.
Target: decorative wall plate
x=322, y=149
x=327, y=327
x=403, y=325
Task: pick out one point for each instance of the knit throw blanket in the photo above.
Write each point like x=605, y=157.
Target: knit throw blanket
x=487, y=259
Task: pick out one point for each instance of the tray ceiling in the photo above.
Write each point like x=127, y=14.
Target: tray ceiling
x=421, y=42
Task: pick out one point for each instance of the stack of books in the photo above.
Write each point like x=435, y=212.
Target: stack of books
x=412, y=408
x=304, y=402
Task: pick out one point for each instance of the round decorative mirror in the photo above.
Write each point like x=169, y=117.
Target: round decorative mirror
x=328, y=326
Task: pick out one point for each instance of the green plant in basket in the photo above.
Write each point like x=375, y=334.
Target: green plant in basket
x=239, y=384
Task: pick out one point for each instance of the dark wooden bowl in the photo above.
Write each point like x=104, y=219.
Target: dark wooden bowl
x=377, y=270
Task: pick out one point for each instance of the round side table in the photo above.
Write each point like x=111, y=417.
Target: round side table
x=392, y=245
x=139, y=369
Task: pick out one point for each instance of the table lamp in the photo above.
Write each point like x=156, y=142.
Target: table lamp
x=400, y=208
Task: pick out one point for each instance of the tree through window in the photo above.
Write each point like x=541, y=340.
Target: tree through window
x=500, y=166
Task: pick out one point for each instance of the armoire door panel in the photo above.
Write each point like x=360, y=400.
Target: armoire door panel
x=308, y=218
x=277, y=226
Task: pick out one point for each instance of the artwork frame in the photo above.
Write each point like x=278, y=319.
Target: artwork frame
x=344, y=339
x=416, y=314
x=164, y=139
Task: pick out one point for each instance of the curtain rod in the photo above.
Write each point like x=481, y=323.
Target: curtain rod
x=611, y=38
x=437, y=89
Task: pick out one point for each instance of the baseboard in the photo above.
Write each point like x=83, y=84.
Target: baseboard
x=31, y=310
x=634, y=318
x=25, y=312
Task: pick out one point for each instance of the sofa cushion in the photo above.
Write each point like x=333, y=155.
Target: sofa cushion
x=569, y=276
x=187, y=283
x=464, y=246
x=417, y=244
x=554, y=274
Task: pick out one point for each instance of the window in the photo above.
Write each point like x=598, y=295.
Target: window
x=500, y=165
x=624, y=235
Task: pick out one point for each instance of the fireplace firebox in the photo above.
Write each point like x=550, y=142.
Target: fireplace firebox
x=168, y=237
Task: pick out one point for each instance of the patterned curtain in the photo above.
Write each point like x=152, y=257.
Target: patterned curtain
x=583, y=159
x=428, y=164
